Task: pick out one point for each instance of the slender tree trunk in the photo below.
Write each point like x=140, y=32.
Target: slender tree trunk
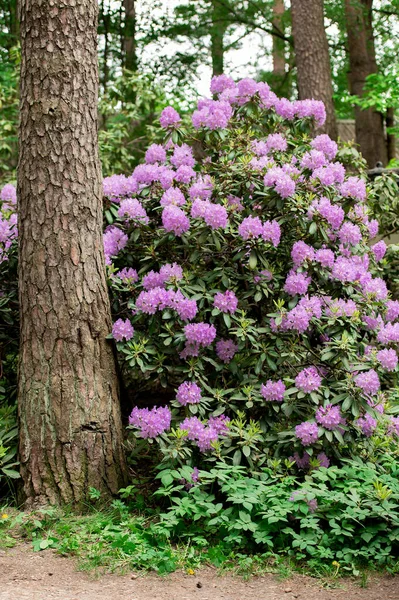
x=312, y=57
x=129, y=36
x=105, y=17
x=69, y=415
x=362, y=62
x=278, y=43
x=12, y=39
x=218, y=31
x=391, y=141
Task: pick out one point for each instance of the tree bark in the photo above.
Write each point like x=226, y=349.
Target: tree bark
x=278, y=44
x=362, y=62
x=69, y=414
x=312, y=57
x=218, y=31
x=391, y=140
x=129, y=36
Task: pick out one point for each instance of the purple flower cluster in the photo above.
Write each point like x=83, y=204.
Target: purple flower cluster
x=388, y=359
x=367, y=424
x=297, y=283
x=133, y=210
x=252, y=227
x=273, y=391
x=225, y=350
x=158, y=298
x=188, y=393
x=114, y=241
x=307, y=432
x=340, y=308
x=118, y=186
x=205, y=434
x=281, y=181
x=325, y=144
x=304, y=462
x=167, y=272
x=308, y=380
x=151, y=423
x=388, y=333
x=127, y=275
x=173, y=196
x=175, y=220
x=155, y=153
x=369, y=382
x=332, y=213
x=350, y=234
x=301, y=252
x=226, y=302
x=183, y=156
x=122, y=330
x=202, y=334
x=330, y=417
x=214, y=114
x=379, y=250
x=353, y=187
x=214, y=215
x=169, y=117
x=392, y=310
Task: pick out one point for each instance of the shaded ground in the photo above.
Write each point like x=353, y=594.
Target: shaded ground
x=25, y=575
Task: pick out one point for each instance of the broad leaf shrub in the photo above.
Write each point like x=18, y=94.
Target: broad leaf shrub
x=9, y=338
x=245, y=271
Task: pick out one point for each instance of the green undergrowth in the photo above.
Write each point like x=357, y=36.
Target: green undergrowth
x=328, y=523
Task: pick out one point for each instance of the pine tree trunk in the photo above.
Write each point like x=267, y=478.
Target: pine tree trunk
x=362, y=62
x=129, y=36
x=218, y=31
x=69, y=415
x=312, y=57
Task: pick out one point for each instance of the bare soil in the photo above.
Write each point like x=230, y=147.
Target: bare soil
x=25, y=575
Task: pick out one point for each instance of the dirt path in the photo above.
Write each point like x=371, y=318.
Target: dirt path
x=25, y=575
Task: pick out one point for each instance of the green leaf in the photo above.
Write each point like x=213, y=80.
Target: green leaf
x=253, y=260
x=227, y=320
x=237, y=458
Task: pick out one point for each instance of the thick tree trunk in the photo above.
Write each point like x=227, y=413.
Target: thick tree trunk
x=278, y=43
x=312, y=57
x=129, y=36
x=69, y=415
x=218, y=31
x=362, y=62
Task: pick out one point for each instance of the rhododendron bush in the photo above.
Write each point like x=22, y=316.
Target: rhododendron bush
x=244, y=270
